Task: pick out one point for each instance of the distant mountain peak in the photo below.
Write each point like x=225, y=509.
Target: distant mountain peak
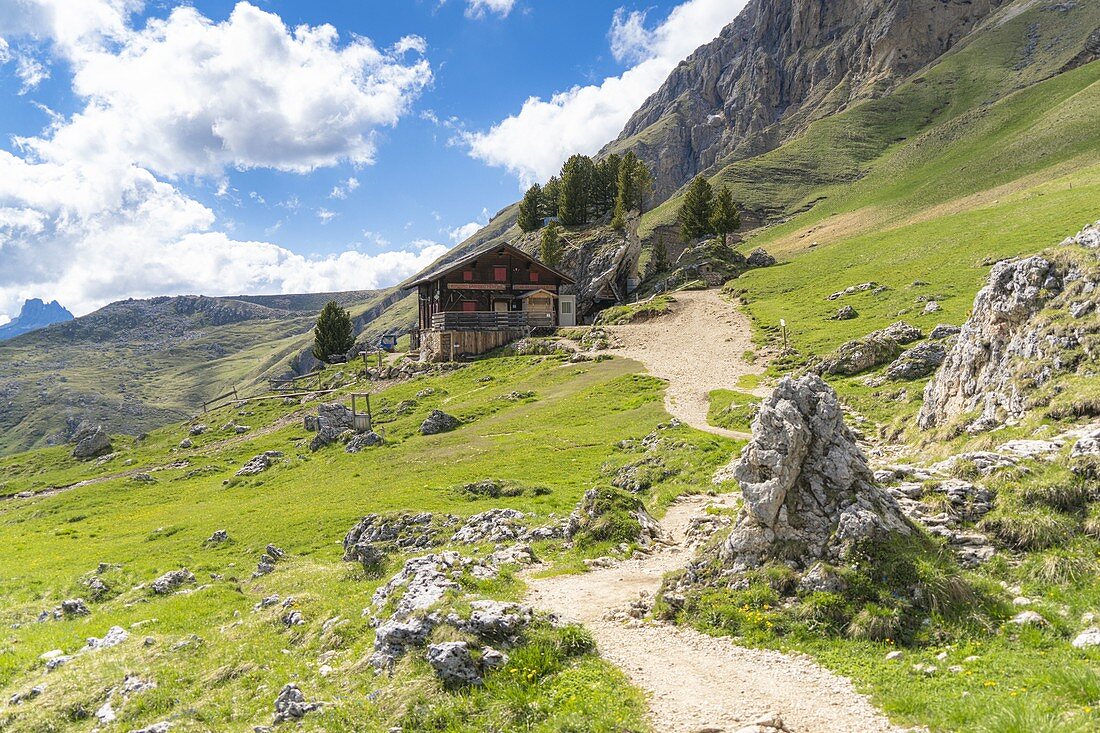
x=35, y=314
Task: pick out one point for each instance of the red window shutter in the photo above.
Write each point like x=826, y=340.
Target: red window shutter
x=500, y=274
x=534, y=276
x=469, y=306
x=468, y=275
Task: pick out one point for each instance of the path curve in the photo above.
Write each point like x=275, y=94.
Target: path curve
x=697, y=682
x=699, y=347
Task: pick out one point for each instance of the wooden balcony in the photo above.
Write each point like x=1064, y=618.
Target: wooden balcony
x=489, y=321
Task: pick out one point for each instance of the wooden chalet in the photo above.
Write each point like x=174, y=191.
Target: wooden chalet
x=488, y=298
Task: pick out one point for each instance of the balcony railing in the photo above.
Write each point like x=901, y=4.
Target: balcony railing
x=489, y=321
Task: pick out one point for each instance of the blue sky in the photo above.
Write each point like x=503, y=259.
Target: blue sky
x=223, y=147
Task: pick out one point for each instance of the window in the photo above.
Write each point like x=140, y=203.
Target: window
x=469, y=306
x=534, y=276
x=566, y=307
x=500, y=274
x=468, y=276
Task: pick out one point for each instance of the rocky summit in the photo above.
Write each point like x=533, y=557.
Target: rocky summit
x=809, y=492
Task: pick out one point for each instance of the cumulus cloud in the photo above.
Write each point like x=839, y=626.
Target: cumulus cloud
x=533, y=143
x=189, y=96
x=88, y=209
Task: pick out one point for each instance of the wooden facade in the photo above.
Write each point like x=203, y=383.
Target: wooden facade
x=499, y=290
x=502, y=279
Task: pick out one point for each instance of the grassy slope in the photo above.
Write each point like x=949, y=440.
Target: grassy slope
x=139, y=387
x=561, y=438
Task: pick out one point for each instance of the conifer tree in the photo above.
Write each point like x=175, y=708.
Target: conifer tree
x=725, y=217
x=607, y=184
x=660, y=255
x=695, y=212
x=529, y=209
x=550, y=248
x=576, y=189
x=551, y=194
x=635, y=182
x=333, y=333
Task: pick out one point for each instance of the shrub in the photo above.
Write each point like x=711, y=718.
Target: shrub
x=1062, y=492
x=1032, y=528
x=1060, y=567
x=876, y=623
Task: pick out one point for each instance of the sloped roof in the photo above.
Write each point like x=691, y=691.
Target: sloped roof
x=463, y=261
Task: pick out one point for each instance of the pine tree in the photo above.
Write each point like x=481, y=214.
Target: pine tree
x=529, y=209
x=333, y=333
x=607, y=184
x=576, y=188
x=660, y=255
x=551, y=193
x=724, y=218
x=635, y=182
x=695, y=212
x=551, y=246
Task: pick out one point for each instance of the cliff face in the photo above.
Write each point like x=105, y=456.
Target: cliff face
x=780, y=65
x=34, y=315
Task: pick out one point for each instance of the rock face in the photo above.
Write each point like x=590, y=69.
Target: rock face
x=780, y=65
x=438, y=422
x=1018, y=336
x=91, y=443
x=809, y=493
x=34, y=315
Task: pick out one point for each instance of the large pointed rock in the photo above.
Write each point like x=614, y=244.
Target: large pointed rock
x=809, y=494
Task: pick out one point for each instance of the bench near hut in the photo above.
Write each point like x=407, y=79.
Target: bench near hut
x=487, y=299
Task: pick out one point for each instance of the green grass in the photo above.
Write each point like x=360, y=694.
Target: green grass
x=564, y=439
x=732, y=410
x=634, y=312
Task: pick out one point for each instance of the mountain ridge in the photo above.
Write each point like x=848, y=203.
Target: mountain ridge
x=35, y=314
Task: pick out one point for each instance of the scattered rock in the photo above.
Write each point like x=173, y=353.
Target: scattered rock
x=267, y=561
x=438, y=422
x=241, y=429
x=768, y=723
x=852, y=290
x=364, y=440
x=1033, y=449
x=219, y=537
x=73, y=607
x=91, y=443
x=22, y=697
x=943, y=331
x=197, y=430
x=291, y=704
x=371, y=538
x=172, y=580
x=846, y=313
x=325, y=436
x=97, y=589
x=861, y=354
x=114, y=636
x=808, y=491
x=902, y=332
x=1028, y=618
x=161, y=727
x=186, y=443
x=894, y=655
x=917, y=362
x=1087, y=639
x=494, y=525
x=260, y=463
x=932, y=307
x=599, y=506
x=336, y=416
x=454, y=664
x=759, y=258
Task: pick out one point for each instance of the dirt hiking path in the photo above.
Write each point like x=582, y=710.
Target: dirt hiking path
x=699, y=347
x=697, y=682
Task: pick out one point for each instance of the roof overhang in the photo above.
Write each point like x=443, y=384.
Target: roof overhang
x=450, y=267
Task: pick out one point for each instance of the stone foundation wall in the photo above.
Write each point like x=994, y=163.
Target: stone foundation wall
x=436, y=346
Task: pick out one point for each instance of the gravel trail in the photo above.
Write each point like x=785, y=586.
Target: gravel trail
x=698, y=347
x=697, y=682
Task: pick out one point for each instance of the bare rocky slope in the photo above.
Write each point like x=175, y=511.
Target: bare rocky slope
x=780, y=65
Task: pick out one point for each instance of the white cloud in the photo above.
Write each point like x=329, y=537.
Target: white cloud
x=341, y=190
x=464, y=232
x=479, y=8
x=188, y=96
x=31, y=72
x=84, y=217
x=533, y=143
x=325, y=215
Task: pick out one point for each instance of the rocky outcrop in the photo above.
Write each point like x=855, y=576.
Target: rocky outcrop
x=1029, y=324
x=291, y=704
x=860, y=355
x=437, y=422
x=91, y=442
x=260, y=463
x=917, y=362
x=809, y=493
x=780, y=65
x=172, y=580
